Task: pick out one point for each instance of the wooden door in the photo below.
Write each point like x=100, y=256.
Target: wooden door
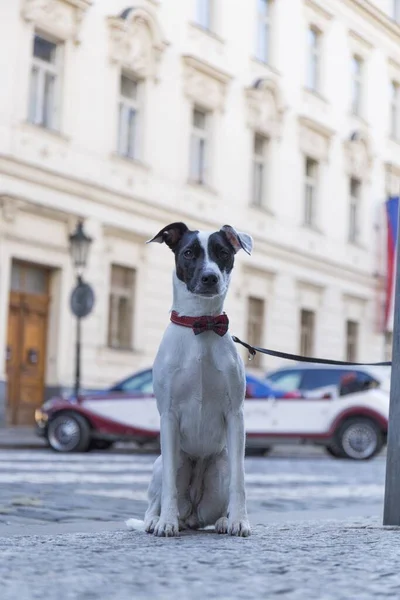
x=26, y=342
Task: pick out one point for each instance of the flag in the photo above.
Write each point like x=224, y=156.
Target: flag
x=392, y=207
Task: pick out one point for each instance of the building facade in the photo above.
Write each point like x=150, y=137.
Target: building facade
x=279, y=117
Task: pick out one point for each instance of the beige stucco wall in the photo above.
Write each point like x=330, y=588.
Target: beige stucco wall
x=48, y=180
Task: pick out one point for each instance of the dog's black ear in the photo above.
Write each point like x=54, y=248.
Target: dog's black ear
x=171, y=235
x=237, y=239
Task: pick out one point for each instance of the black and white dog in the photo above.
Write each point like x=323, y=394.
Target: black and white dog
x=199, y=384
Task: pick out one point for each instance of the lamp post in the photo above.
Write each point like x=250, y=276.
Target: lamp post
x=82, y=298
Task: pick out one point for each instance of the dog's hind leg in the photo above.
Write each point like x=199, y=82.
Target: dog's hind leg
x=213, y=506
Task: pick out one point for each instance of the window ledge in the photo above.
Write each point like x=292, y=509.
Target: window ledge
x=115, y=351
x=266, y=65
x=130, y=161
x=315, y=94
x=394, y=140
x=357, y=245
x=263, y=209
x=208, y=32
x=312, y=228
x=53, y=133
x=359, y=119
x=202, y=186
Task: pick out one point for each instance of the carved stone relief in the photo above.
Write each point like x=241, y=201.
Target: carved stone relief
x=265, y=109
x=204, y=84
x=358, y=157
x=59, y=17
x=136, y=42
x=314, y=139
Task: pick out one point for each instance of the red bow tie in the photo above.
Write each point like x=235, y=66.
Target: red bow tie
x=218, y=324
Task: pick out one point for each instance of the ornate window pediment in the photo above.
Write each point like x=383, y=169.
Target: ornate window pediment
x=392, y=177
x=315, y=139
x=358, y=155
x=265, y=107
x=61, y=18
x=136, y=41
x=204, y=84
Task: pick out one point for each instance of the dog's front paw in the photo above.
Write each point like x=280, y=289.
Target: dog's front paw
x=239, y=527
x=221, y=526
x=167, y=528
x=150, y=524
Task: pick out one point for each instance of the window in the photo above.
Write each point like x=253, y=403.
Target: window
x=351, y=341
x=394, y=110
x=354, y=217
x=310, y=191
x=307, y=325
x=203, y=13
x=287, y=380
x=255, y=325
x=388, y=343
x=141, y=382
x=313, y=58
x=120, y=321
x=45, y=78
x=396, y=10
x=263, y=30
x=316, y=378
x=129, y=114
x=357, y=74
x=199, y=147
x=259, y=169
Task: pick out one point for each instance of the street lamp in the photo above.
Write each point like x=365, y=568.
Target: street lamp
x=79, y=244
x=82, y=298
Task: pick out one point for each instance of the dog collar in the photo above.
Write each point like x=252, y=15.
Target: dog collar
x=218, y=324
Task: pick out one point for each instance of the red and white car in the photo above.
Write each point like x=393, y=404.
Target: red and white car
x=349, y=419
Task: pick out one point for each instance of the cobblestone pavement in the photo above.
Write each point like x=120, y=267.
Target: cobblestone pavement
x=62, y=535
x=294, y=561
x=38, y=487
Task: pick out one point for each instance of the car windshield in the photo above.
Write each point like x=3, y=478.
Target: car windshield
x=140, y=382
x=260, y=389
x=288, y=381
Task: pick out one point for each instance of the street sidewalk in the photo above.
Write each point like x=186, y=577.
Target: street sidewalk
x=20, y=438
x=295, y=560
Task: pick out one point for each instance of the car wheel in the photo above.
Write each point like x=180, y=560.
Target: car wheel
x=69, y=432
x=359, y=438
x=100, y=445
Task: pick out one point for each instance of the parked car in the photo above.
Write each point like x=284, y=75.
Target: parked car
x=361, y=398
x=349, y=421
x=125, y=411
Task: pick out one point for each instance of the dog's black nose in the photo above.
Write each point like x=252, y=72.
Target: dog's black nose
x=209, y=279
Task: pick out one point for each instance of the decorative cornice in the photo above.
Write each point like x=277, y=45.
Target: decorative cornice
x=123, y=233
x=360, y=41
x=144, y=209
x=318, y=9
x=316, y=126
x=204, y=83
x=314, y=138
x=61, y=18
x=206, y=68
x=367, y=10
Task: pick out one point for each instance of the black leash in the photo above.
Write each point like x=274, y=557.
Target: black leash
x=322, y=361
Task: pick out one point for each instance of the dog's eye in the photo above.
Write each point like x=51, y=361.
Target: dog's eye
x=188, y=254
x=223, y=253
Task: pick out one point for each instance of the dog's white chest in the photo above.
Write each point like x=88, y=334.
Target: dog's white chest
x=201, y=379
